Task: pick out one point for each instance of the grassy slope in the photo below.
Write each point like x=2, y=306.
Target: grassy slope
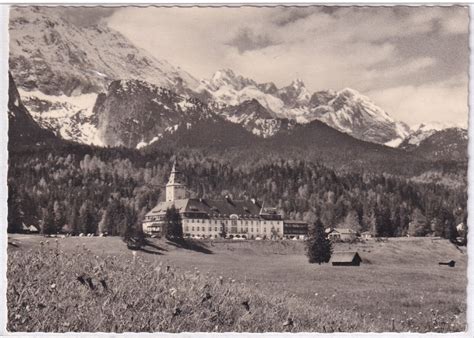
x=400, y=279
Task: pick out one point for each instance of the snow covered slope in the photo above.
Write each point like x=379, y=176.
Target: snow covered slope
x=422, y=131
x=355, y=114
x=70, y=116
x=53, y=55
x=255, y=118
x=61, y=68
x=347, y=110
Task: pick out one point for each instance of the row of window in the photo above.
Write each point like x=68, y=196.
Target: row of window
x=186, y=228
x=210, y=221
x=197, y=228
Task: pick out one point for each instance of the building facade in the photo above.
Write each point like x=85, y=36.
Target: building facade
x=205, y=218
x=293, y=229
x=342, y=235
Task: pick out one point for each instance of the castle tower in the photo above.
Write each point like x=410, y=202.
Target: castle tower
x=175, y=188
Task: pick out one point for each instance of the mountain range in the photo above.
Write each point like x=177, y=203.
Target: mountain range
x=91, y=85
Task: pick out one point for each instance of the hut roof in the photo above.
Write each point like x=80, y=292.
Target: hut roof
x=33, y=228
x=344, y=256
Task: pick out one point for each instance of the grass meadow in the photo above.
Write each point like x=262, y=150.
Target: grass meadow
x=96, y=284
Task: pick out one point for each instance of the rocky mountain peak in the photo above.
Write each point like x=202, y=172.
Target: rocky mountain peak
x=322, y=98
x=295, y=94
x=268, y=88
x=53, y=55
x=227, y=77
x=350, y=93
x=134, y=113
x=62, y=68
x=22, y=128
x=297, y=83
x=349, y=111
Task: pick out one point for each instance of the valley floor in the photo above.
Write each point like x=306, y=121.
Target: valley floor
x=398, y=287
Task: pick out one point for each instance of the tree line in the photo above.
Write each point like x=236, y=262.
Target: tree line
x=111, y=191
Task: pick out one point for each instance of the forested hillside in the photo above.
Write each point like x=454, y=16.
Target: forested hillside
x=99, y=189
x=315, y=142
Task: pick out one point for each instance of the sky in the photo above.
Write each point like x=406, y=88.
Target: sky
x=411, y=61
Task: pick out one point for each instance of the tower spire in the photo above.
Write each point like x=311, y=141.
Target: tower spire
x=174, y=165
x=175, y=189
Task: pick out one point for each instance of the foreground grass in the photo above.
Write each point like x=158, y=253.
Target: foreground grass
x=93, y=285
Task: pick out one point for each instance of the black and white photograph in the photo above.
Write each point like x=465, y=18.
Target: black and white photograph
x=244, y=169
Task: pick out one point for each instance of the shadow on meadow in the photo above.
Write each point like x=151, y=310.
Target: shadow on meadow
x=188, y=244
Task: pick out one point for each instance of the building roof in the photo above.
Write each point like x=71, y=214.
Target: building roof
x=216, y=208
x=296, y=222
x=344, y=256
x=161, y=207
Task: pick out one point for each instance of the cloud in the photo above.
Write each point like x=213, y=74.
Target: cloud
x=85, y=16
x=443, y=101
x=292, y=14
x=455, y=21
x=246, y=39
x=371, y=49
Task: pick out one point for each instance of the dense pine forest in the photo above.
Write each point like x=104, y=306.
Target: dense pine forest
x=83, y=189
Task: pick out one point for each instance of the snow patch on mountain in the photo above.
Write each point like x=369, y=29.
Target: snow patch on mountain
x=394, y=143
x=70, y=116
x=143, y=144
x=353, y=113
x=422, y=131
x=227, y=95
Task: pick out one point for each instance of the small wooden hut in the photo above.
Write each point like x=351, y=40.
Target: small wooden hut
x=345, y=258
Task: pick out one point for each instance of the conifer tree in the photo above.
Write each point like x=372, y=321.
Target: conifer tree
x=418, y=225
x=48, y=220
x=86, y=218
x=104, y=221
x=59, y=217
x=14, y=212
x=172, y=224
x=318, y=246
x=223, y=232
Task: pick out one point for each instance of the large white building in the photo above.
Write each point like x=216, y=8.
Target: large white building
x=204, y=218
